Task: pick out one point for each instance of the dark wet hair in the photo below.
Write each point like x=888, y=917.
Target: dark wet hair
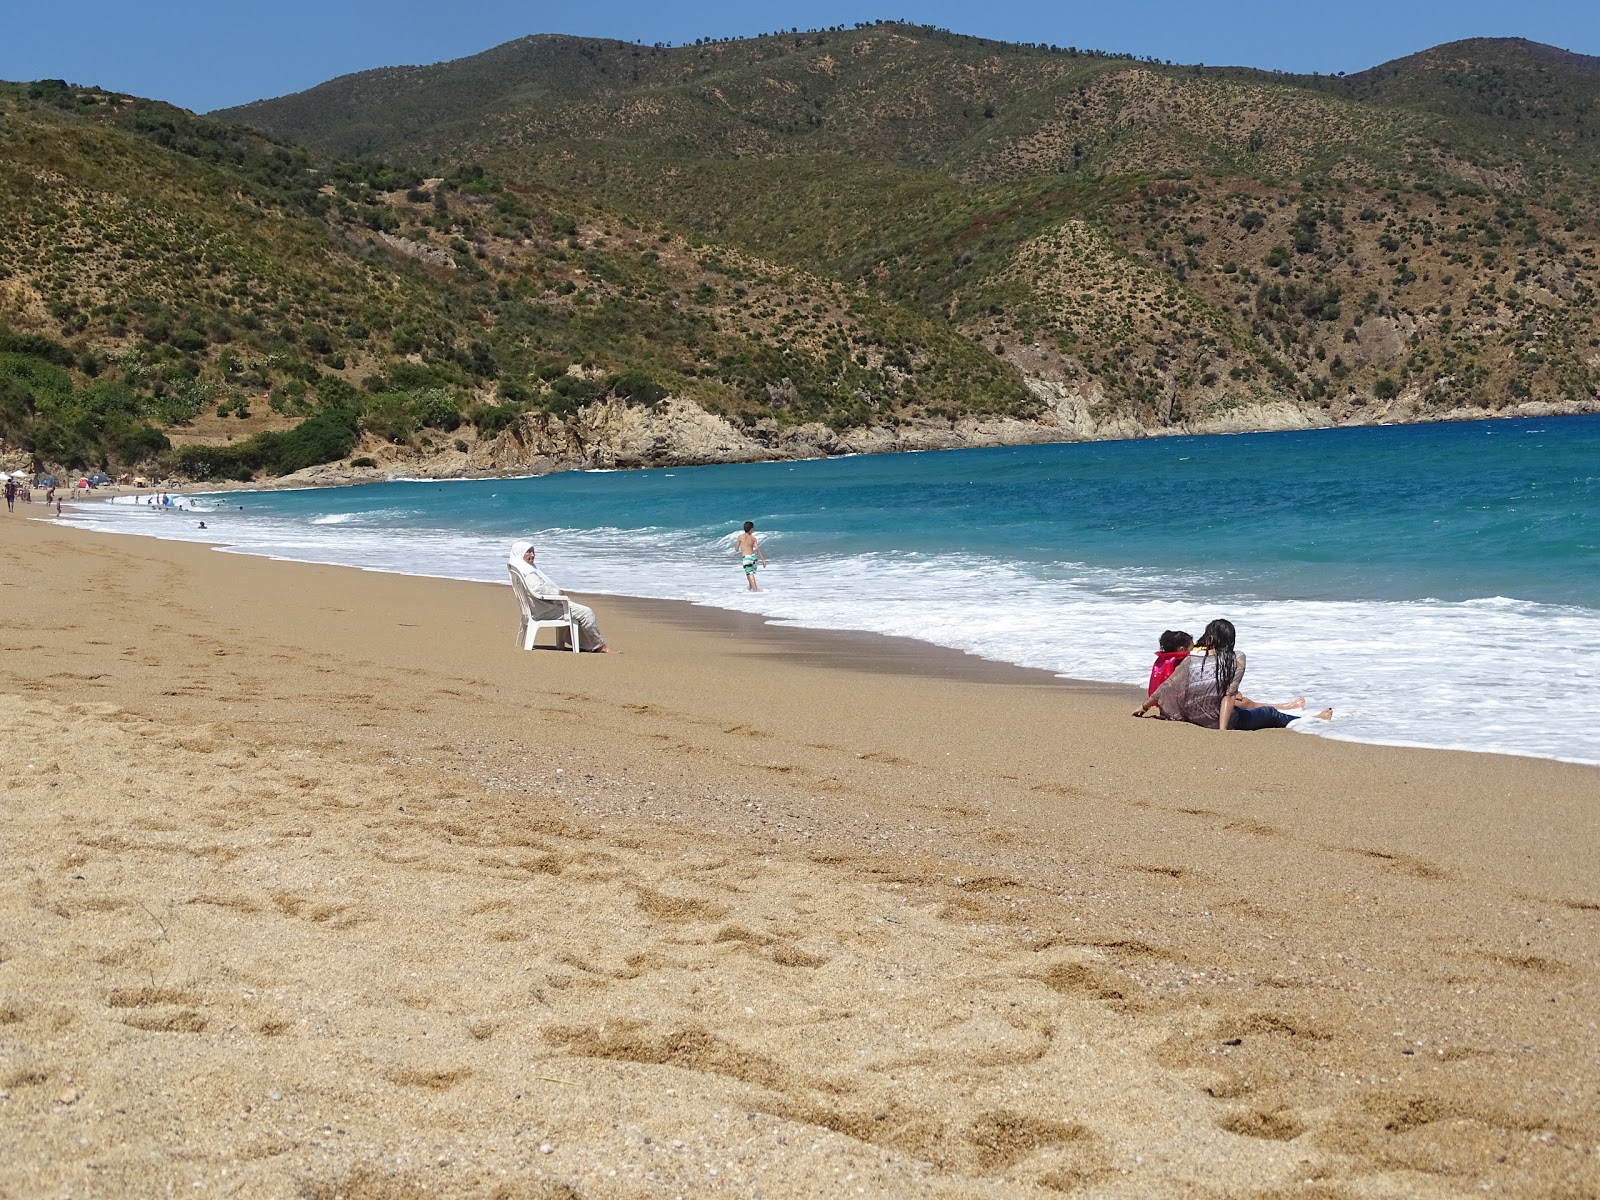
x=749, y=525
x=1219, y=639
x=1175, y=639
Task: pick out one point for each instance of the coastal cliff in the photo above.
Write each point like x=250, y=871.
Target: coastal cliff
x=677, y=432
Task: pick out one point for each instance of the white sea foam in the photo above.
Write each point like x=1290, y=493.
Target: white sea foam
x=1488, y=674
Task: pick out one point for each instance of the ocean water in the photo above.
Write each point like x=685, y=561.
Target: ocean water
x=1437, y=585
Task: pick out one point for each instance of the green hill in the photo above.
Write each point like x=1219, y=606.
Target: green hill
x=1169, y=244
x=193, y=292
x=884, y=236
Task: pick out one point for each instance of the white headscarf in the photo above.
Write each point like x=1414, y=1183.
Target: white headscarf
x=539, y=584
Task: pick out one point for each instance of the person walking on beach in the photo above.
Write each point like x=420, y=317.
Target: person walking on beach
x=750, y=553
x=542, y=587
x=11, y=494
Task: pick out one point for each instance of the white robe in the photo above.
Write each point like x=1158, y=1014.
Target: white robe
x=542, y=587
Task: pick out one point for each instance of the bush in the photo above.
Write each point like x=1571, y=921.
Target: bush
x=325, y=436
x=1386, y=389
x=363, y=461
x=436, y=409
x=34, y=345
x=132, y=442
x=491, y=419
x=389, y=415
x=635, y=387
x=333, y=390
x=570, y=393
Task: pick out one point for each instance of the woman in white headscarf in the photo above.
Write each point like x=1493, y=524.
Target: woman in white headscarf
x=544, y=589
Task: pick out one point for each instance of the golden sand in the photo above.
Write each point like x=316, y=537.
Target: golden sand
x=315, y=886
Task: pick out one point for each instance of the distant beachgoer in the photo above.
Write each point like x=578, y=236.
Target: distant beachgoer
x=750, y=553
x=11, y=494
x=58, y=506
x=202, y=524
x=1204, y=689
x=50, y=495
x=1175, y=647
x=542, y=587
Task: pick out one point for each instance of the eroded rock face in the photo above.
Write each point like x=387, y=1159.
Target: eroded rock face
x=431, y=255
x=614, y=434
x=678, y=432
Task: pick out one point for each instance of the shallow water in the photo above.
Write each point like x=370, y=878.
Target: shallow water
x=1438, y=585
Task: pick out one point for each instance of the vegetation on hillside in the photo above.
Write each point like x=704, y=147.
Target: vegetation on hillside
x=852, y=227
x=1174, y=241
x=186, y=270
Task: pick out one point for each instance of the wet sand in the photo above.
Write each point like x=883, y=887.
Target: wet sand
x=315, y=886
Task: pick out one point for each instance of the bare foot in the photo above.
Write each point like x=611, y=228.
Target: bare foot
x=604, y=650
x=1297, y=702
x=1325, y=715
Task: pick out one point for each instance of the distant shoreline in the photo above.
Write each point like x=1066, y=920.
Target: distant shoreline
x=333, y=475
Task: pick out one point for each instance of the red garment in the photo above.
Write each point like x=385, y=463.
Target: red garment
x=1166, y=663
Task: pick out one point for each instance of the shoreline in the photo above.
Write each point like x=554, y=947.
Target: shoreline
x=331, y=475
x=824, y=643
x=320, y=886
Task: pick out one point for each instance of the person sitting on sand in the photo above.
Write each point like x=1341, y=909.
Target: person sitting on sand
x=1204, y=689
x=1175, y=647
x=750, y=550
x=542, y=587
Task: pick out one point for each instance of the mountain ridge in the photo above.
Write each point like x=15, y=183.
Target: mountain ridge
x=1225, y=238
x=879, y=238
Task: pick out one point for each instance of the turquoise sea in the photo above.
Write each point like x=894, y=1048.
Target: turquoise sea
x=1437, y=585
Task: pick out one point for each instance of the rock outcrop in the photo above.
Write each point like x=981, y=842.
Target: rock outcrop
x=612, y=434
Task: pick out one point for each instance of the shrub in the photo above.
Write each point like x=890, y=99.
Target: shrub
x=325, y=436
x=436, y=409
x=570, y=393
x=493, y=418
x=389, y=415
x=33, y=345
x=635, y=387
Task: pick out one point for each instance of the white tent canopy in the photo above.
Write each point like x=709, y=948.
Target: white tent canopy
x=19, y=474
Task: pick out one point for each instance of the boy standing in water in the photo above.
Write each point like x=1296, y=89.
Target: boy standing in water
x=750, y=552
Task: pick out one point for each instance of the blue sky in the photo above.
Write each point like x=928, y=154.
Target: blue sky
x=206, y=55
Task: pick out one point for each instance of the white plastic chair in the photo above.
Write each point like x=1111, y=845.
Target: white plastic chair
x=528, y=605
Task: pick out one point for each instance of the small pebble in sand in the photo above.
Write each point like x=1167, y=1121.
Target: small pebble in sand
x=69, y=1096
x=276, y=1096
x=546, y=1148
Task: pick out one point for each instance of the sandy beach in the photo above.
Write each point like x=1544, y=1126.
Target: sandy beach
x=315, y=886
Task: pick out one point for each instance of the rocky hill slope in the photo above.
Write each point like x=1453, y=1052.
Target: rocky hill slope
x=1160, y=246
x=573, y=252
x=186, y=295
